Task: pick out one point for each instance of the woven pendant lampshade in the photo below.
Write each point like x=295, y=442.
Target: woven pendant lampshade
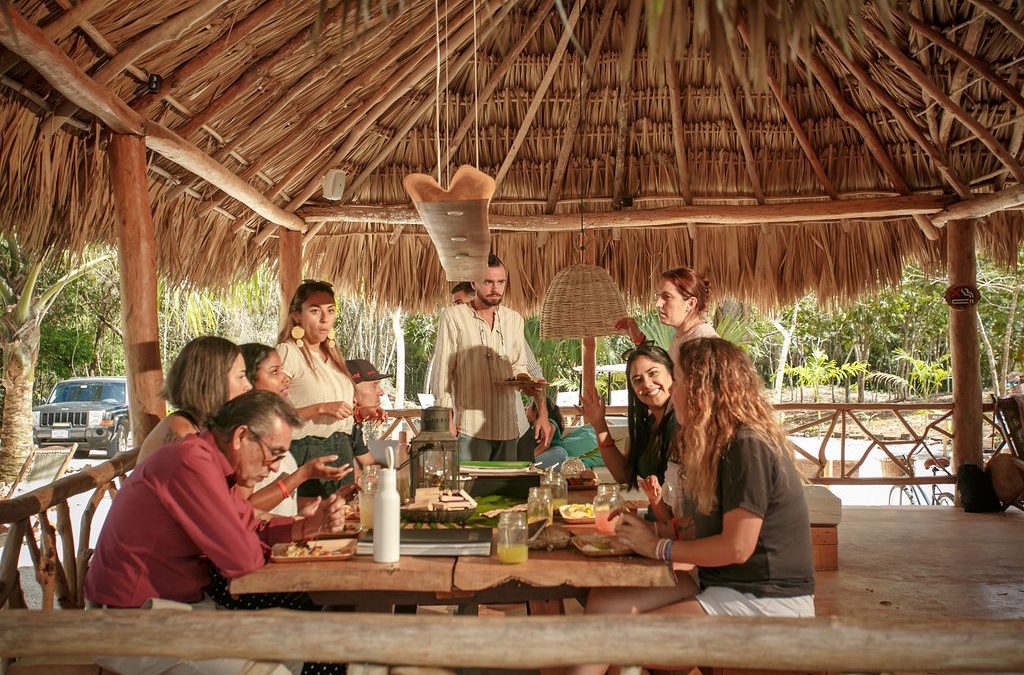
x=582, y=301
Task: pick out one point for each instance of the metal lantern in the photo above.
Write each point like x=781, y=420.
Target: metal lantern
x=434, y=452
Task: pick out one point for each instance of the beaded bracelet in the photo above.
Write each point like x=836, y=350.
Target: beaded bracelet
x=668, y=552
x=284, y=489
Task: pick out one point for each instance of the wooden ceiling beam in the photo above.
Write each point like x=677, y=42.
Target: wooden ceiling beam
x=167, y=31
x=539, y=16
x=919, y=77
x=542, y=89
x=981, y=206
x=352, y=86
x=256, y=72
x=572, y=120
x=29, y=43
x=236, y=34
x=399, y=135
x=966, y=57
x=957, y=85
x=1002, y=16
x=733, y=106
x=794, y=213
x=56, y=29
x=630, y=37
x=861, y=74
x=855, y=119
x=678, y=142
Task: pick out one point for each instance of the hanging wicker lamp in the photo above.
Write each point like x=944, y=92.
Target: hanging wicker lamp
x=582, y=301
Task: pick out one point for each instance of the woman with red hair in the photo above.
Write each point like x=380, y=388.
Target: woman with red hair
x=683, y=296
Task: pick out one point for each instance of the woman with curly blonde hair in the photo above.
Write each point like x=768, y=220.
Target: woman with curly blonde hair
x=739, y=515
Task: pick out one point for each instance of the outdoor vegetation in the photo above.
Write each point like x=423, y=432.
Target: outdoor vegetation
x=893, y=346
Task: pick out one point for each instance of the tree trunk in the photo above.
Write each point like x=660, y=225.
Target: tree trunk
x=787, y=340
x=19, y=376
x=996, y=384
x=94, y=367
x=1004, y=372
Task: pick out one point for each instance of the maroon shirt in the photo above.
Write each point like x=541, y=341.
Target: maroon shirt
x=175, y=515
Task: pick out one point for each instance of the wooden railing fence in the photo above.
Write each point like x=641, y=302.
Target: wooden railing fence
x=823, y=644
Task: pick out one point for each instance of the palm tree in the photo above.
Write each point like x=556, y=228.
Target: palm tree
x=24, y=307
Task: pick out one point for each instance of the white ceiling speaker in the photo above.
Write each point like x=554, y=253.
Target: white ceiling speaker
x=334, y=184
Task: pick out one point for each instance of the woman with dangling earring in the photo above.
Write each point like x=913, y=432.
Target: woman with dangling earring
x=683, y=296
x=321, y=387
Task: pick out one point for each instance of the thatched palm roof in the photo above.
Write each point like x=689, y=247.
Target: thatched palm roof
x=281, y=92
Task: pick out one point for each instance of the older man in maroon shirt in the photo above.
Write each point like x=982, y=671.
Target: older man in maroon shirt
x=177, y=513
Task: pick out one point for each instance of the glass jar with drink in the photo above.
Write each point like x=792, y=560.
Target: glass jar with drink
x=512, y=547
x=608, y=499
x=538, y=505
x=554, y=481
x=367, y=491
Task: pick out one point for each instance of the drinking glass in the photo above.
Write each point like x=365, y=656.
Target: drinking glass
x=607, y=500
x=538, y=505
x=512, y=547
x=554, y=481
x=367, y=491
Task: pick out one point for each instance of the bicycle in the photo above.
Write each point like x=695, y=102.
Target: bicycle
x=915, y=495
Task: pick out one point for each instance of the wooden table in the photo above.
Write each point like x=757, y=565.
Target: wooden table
x=465, y=580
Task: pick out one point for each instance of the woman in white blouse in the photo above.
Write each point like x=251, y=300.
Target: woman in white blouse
x=321, y=387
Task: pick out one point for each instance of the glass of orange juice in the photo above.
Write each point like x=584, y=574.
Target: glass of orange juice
x=512, y=537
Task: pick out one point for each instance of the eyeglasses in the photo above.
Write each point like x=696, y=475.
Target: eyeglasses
x=645, y=347
x=272, y=455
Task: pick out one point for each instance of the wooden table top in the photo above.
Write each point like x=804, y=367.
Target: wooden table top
x=442, y=574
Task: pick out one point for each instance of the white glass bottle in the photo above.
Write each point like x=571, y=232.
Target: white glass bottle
x=386, y=518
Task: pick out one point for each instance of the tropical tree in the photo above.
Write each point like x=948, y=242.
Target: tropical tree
x=26, y=301
x=817, y=370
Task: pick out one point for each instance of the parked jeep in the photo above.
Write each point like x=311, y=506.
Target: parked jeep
x=90, y=411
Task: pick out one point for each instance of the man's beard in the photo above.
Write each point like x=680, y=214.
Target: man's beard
x=490, y=302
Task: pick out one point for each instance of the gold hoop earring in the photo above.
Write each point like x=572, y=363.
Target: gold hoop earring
x=298, y=332
x=330, y=337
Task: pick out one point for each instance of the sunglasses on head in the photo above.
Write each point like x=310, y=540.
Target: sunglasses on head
x=645, y=347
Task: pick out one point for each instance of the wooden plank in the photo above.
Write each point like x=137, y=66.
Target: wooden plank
x=727, y=88
x=569, y=567
x=289, y=268
x=423, y=574
x=803, y=212
x=137, y=264
x=678, y=144
x=494, y=642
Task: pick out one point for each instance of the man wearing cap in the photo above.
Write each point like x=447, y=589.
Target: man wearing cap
x=368, y=392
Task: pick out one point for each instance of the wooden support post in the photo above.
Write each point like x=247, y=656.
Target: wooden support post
x=289, y=267
x=963, y=340
x=137, y=258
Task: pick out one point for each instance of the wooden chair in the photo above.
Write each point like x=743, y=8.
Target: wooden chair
x=1006, y=414
x=42, y=467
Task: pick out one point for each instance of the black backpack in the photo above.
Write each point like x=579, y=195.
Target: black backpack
x=974, y=488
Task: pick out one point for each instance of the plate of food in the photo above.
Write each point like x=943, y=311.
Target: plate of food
x=584, y=480
x=577, y=514
x=306, y=551
x=599, y=545
x=523, y=381
x=352, y=529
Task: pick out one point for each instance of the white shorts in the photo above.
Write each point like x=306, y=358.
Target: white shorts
x=724, y=601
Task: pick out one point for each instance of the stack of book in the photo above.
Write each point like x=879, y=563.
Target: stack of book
x=446, y=542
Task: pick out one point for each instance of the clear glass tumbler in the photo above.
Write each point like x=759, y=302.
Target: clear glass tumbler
x=607, y=500
x=512, y=547
x=538, y=505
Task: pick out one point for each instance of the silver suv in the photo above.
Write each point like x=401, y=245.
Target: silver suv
x=90, y=411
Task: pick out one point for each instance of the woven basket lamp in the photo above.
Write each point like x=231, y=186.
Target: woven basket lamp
x=582, y=301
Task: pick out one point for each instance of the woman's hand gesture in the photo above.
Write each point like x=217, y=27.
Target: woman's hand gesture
x=593, y=408
x=652, y=488
x=628, y=326
x=634, y=533
x=338, y=409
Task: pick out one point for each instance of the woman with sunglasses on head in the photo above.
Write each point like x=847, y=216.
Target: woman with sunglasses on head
x=652, y=422
x=208, y=372
x=275, y=494
x=683, y=297
x=750, y=534
x=321, y=387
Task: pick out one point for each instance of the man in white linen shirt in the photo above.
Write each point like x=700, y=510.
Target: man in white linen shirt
x=479, y=345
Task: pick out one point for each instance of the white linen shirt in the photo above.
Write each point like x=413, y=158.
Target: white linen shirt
x=323, y=383
x=469, y=358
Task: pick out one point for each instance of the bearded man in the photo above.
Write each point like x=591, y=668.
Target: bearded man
x=480, y=346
